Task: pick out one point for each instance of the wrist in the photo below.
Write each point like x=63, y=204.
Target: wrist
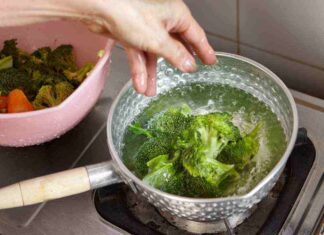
x=88, y=8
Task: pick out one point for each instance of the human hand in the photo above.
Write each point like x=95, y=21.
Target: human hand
x=148, y=29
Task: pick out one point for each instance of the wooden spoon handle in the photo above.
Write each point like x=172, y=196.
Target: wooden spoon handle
x=45, y=188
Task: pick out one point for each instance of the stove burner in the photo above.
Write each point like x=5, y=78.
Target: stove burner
x=207, y=227
x=118, y=205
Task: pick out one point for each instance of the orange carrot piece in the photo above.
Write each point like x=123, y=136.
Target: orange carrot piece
x=18, y=102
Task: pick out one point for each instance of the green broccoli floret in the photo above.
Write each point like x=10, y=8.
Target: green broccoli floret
x=9, y=47
x=19, y=56
x=168, y=125
x=52, y=95
x=162, y=133
x=196, y=156
x=163, y=175
x=171, y=122
x=241, y=152
x=148, y=150
x=39, y=78
x=200, y=144
x=45, y=97
x=21, y=59
x=42, y=54
x=210, y=132
x=198, y=187
x=43, y=77
x=11, y=79
x=62, y=59
x=211, y=170
x=161, y=170
x=77, y=77
x=6, y=62
x=62, y=91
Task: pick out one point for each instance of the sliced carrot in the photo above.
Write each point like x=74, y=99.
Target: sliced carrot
x=18, y=102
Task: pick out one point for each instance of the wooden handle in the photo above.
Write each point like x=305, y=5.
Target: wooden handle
x=45, y=188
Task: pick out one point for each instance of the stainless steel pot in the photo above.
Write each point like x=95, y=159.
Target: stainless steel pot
x=234, y=70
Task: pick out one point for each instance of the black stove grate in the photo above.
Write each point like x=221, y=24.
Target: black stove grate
x=113, y=205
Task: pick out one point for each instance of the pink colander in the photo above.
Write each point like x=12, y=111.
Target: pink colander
x=31, y=128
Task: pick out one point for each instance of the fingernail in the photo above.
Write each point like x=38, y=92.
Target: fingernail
x=188, y=65
x=211, y=52
x=150, y=93
x=140, y=83
x=151, y=86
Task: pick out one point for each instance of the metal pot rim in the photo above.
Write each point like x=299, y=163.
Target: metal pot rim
x=132, y=178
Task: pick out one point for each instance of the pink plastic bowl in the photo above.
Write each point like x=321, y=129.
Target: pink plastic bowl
x=32, y=128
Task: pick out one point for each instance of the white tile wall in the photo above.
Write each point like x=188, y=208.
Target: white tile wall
x=217, y=16
x=222, y=45
x=296, y=76
x=294, y=28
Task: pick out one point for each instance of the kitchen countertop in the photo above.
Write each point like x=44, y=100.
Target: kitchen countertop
x=86, y=144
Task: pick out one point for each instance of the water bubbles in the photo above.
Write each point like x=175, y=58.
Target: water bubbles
x=169, y=72
x=242, y=110
x=163, y=67
x=254, y=118
x=185, y=76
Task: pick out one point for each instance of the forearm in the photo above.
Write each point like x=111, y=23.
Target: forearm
x=22, y=12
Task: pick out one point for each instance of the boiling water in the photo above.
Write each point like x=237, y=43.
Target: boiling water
x=247, y=111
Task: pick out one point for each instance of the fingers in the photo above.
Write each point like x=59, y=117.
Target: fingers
x=184, y=42
x=196, y=37
x=143, y=71
x=151, y=75
x=175, y=52
x=137, y=63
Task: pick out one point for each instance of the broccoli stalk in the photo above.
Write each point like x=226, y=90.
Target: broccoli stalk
x=138, y=130
x=6, y=62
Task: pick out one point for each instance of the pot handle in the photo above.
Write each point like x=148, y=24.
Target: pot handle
x=58, y=185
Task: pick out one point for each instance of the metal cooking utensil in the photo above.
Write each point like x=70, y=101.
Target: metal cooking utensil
x=234, y=70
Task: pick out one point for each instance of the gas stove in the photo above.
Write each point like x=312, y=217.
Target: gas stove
x=294, y=206
x=119, y=205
